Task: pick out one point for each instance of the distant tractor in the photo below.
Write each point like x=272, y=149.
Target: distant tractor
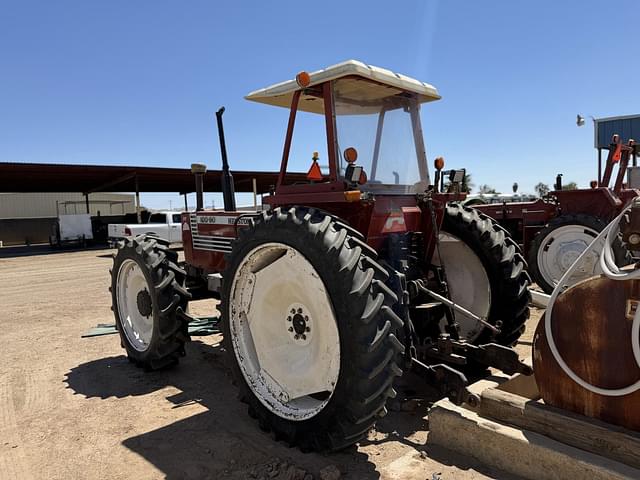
x=555, y=230
x=346, y=281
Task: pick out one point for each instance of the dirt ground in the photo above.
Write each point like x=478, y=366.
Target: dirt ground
x=73, y=407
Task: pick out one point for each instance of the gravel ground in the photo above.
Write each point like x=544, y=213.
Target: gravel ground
x=76, y=408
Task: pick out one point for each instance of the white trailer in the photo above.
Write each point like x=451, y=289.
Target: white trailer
x=71, y=229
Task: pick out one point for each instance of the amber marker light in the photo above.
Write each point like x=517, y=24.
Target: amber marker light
x=438, y=163
x=593, y=184
x=303, y=79
x=352, y=196
x=350, y=154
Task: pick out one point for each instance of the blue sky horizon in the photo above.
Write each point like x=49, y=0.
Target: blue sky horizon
x=138, y=83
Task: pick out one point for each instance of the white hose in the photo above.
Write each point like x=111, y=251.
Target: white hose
x=611, y=270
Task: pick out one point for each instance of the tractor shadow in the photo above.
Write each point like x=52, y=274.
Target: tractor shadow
x=223, y=441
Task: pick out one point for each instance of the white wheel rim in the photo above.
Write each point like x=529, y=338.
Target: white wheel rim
x=468, y=283
x=290, y=363
x=132, y=288
x=561, y=248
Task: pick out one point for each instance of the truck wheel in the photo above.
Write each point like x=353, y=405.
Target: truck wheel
x=558, y=245
x=486, y=274
x=308, y=328
x=148, y=296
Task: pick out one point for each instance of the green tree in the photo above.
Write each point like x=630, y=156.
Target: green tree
x=466, y=186
x=486, y=189
x=467, y=183
x=542, y=189
x=570, y=186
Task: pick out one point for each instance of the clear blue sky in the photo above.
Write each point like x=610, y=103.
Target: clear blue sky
x=137, y=82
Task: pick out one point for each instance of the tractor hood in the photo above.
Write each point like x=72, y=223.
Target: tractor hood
x=281, y=94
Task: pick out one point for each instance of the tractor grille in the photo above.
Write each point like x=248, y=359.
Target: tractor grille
x=208, y=242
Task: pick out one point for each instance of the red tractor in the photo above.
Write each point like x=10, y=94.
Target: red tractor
x=555, y=230
x=344, y=281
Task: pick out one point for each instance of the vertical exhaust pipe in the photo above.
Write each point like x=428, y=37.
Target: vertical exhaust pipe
x=228, y=193
x=558, y=185
x=198, y=170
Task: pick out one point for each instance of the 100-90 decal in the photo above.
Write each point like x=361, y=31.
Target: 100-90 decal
x=214, y=243
x=221, y=220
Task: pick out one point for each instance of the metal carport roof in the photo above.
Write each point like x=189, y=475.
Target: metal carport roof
x=49, y=177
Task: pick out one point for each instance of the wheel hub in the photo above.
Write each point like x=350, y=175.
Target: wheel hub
x=561, y=248
x=143, y=300
x=299, y=323
x=284, y=331
x=469, y=286
x=569, y=253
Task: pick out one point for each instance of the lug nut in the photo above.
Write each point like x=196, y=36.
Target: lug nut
x=304, y=337
x=293, y=310
x=291, y=329
x=299, y=310
x=306, y=318
x=297, y=336
x=307, y=329
x=288, y=319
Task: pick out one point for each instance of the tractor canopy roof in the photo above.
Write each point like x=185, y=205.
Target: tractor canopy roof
x=380, y=84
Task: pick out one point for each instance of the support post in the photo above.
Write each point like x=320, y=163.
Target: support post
x=186, y=207
x=255, y=193
x=86, y=201
x=198, y=170
x=418, y=140
x=138, y=213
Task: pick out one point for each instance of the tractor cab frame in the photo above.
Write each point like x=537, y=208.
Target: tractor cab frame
x=376, y=114
x=354, y=96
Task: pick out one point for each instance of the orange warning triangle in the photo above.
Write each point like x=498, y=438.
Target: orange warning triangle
x=617, y=154
x=314, y=174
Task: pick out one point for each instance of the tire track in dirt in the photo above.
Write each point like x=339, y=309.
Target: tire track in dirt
x=27, y=396
x=13, y=460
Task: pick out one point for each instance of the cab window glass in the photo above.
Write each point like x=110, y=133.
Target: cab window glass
x=309, y=135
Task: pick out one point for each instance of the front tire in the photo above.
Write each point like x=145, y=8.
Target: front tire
x=148, y=296
x=296, y=269
x=486, y=274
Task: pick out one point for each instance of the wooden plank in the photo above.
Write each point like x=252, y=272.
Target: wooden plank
x=567, y=427
x=539, y=299
x=518, y=451
x=522, y=385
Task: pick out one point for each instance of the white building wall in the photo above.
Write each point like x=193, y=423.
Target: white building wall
x=37, y=205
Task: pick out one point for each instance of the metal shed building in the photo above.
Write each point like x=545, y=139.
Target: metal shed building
x=28, y=217
x=49, y=204
x=627, y=126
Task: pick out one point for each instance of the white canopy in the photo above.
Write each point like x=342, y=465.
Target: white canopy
x=281, y=94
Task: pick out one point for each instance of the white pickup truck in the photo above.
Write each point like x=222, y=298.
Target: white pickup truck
x=165, y=225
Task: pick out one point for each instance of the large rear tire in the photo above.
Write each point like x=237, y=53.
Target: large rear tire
x=486, y=274
x=148, y=296
x=308, y=328
x=557, y=246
